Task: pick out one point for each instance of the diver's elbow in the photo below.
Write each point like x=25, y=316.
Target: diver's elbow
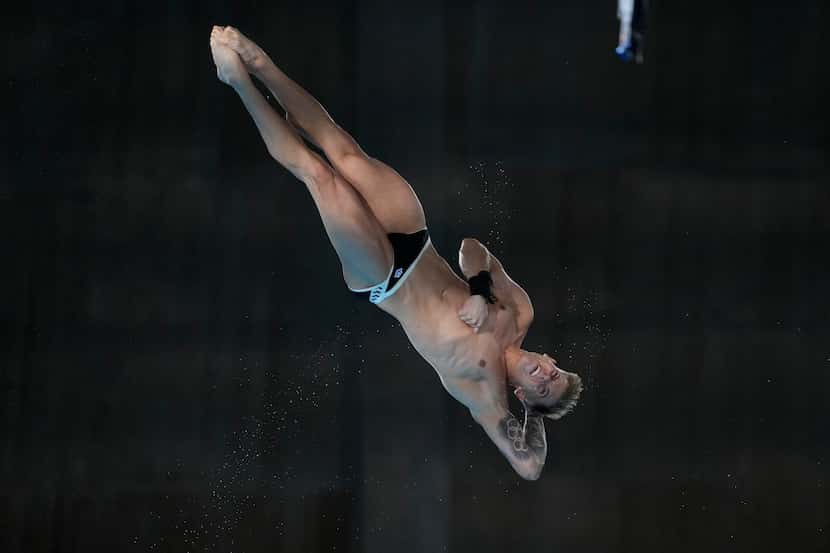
x=532, y=476
x=469, y=244
x=530, y=472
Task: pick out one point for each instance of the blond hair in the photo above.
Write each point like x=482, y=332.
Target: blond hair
x=569, y=399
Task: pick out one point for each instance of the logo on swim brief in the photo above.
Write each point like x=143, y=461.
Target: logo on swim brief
x=399, y=272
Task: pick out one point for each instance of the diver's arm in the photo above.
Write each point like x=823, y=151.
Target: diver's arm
x=524, y=446
x=474, y=257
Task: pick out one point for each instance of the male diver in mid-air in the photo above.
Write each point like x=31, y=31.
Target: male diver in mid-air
x=469, y=331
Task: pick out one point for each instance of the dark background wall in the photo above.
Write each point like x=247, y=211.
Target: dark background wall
x=183, y=370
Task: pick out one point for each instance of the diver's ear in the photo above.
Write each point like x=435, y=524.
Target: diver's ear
x=519, y=393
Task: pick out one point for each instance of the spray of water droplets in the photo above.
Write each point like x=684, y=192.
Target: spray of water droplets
x=494, y=188
x=587, y=343
x=590, y=340
x=260, y=460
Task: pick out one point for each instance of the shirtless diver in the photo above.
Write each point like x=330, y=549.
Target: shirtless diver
x=469, y=331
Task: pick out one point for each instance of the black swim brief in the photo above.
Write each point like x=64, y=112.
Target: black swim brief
x=407, y=249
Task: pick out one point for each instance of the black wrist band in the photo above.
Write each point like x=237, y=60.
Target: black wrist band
x=480, y=286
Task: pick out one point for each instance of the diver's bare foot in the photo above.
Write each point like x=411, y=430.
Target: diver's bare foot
x=254, y=57
x=229, y=68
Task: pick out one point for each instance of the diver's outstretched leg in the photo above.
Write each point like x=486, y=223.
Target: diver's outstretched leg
x=358, y=238
x=632, y=15
x=388, y=194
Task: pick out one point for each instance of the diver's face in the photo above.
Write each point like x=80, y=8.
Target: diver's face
x=541, y=381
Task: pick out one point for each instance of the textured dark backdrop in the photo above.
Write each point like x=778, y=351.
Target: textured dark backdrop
x=183, y=370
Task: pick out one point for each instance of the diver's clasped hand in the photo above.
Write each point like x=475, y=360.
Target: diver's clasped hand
x=474, y=312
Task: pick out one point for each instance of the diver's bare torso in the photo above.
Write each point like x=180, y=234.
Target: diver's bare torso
x=469, y=364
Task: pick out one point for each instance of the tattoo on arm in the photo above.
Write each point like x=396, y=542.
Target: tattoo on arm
x=525, y=442
x=535, y=434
